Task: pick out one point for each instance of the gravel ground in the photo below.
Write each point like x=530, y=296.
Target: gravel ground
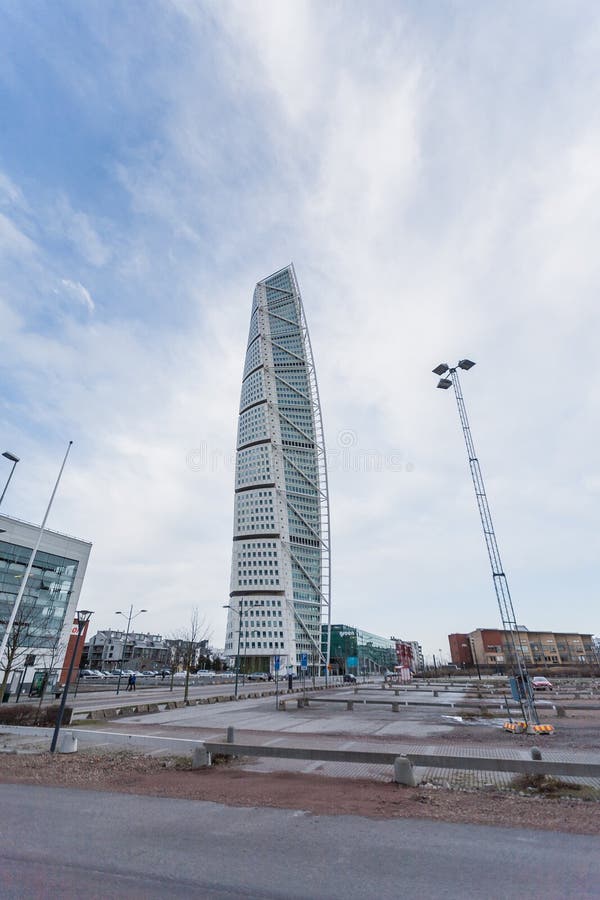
x=131, y=773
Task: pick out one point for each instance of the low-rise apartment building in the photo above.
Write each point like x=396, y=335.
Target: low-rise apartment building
x=490, y=647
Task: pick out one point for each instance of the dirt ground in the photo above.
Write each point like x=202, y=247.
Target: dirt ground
x=131, y=773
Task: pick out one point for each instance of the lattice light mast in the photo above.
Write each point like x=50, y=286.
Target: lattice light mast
x=507, y=612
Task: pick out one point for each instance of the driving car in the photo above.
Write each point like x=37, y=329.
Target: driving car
x=540, y=683
x=350, y=679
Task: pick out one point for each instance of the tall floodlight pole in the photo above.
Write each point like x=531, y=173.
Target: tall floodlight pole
x=29, y=567
x=449, y=378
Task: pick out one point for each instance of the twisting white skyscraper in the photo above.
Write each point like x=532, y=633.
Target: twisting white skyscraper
x=280, y=570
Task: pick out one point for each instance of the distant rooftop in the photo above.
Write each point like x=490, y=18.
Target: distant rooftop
x=46, y=530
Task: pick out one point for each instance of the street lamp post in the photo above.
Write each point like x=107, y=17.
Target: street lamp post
x=130, y=617
x=82, y=616
x=14, y=460
x=476, y=660
x=237, y=657
x=471, y=646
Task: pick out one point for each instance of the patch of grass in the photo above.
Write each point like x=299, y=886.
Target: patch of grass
x=221, y=759
x=180, y=763
x=29, y=714
x=549, y=786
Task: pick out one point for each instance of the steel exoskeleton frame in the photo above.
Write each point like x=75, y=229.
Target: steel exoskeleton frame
x=323, y=588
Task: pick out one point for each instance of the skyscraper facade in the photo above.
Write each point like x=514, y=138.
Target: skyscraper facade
x=280, y=571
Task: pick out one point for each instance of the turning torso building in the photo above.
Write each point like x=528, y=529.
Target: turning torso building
x=280, y=568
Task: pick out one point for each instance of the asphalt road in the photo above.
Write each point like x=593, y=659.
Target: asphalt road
x=57, y=842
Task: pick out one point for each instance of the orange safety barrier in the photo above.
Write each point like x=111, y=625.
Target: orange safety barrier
x=515, y=727
x=543, y=729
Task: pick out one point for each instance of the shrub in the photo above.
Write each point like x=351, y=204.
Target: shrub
x=28, y=714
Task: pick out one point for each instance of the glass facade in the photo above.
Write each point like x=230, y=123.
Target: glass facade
x=46, y=596
x=359, y=652
x=280, y=560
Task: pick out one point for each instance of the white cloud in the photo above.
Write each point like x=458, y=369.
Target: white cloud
x=79, y=293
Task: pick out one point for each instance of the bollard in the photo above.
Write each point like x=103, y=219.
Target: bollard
x=536, y=753
x=435, y=693
x=230, y=735
x=561, y=712
x=404, y=772
x=395, y=707
x=350, y=704
x=200, y=757
x=68, y=743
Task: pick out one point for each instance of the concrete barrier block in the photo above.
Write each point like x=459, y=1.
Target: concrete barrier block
x=200, y=757
x=404, y=772
x=68, y=743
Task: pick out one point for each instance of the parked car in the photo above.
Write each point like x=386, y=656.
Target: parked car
x=350, y=679
x=540, y=683
x=90, y=673
x=258, y=676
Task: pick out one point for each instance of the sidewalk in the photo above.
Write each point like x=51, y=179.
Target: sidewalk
x=126, y=736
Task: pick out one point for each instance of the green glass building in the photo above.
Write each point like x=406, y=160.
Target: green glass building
x=359, y=652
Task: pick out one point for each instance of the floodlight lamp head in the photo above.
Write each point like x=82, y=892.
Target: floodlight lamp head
x=466, y=364
x=441, y=369
x=444, y=383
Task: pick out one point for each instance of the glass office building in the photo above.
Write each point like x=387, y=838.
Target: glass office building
x=45, y=615
x=280, y=575
x=359, y=652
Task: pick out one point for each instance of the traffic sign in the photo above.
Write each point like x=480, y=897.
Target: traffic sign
x=304, y=662
x=277, y=663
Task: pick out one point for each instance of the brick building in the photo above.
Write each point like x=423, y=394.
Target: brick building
x=489, y=648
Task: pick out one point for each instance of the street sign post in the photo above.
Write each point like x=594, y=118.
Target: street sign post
x=304, y=669
x=277, y=666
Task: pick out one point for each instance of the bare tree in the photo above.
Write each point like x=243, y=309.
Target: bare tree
x=54, y=651
x=189, y=640
x=30, y=629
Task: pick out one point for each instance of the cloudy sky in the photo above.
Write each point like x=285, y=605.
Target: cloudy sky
x=431, y=168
